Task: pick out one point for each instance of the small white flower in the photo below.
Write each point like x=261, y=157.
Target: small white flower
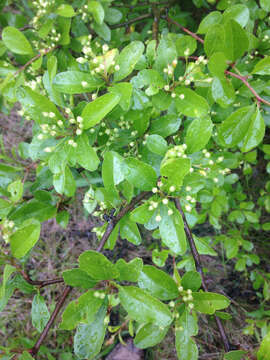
x=154, y=190
x=181, y=96
x=95, y=60
x=107, y=131
x=158, y=218
x=48, y=149
x=187, y=82
x=220, y=159
x=84, y=84
x=211, y=162
x=68, y=110
x=207, y=155
x=180, y=288
x=166, y=87
x=74, y=144
x=173, y=95
x=165, y=70
x=70, y=142
x=131, y=144
x=117, y=68
x=185, y=298
x=79, y=119
x=181, y=78
x=96, y=294
x=191, y=306
x=170, y=212
x=51, y=114
x=72, y=121
x=172, y=304
x=40, y=136
x=78, y=132
x=191, y=170
x=189, y=291
x=92, y=131
x=165, y=201
x=172, y=188
x=53, y=133
x=105, y=47
x=81, y=60
x=215, y=180
x=160, y=183
x=102, y=296
x=154, y=204
x=174, y=63
x=94, y=96
x=188, y=207
x=60, y=123
x=188, y=188
x=150, y=208
x=45, y=113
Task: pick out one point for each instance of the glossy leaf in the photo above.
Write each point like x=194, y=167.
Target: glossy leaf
x=8, y=271
x=40, y=313
x=33, y=209
x=239, y=13
x=214, y=17
x=129, y=230
x=214, y=40
x=81, y=310
x=78, y=278
x=112, y=173
x=25, y=238
x=15, y=41
x=127, y=59
x=65, y=10
x=139, y=174
x=264, y=349
x=158, y=283
x=96, y=9
x=165, y=125
x=141, y=214
x=191, y=280
x=143, y=307
x=185, y=45
x=265, y=5
x=189, y=103
x=175, y=169
x=76, y=82
x=64, y=182
x=222, y=91
x=198, y=134
x=186, y=326
x=129, y=271
x=5, y=207
x=236, y=40
x=166, y=53
x=208, y=303
x=149, y=335
x=245, y=128
x=96, y=110
x=89, y=338
x=85, y=154
x=262, y=67
x=217, y=64
x=156, y=144
x=124, y=89
x=97, y=266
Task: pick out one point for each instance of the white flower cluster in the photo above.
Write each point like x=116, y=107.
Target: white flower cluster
x=7, y=228
x=169, y=70
x=187, y=296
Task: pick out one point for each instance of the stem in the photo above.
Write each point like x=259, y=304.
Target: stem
x=159, y=3
x=171, y=21
x=111, y=225
x=127, y=23
x=40, y=283
x=198, y=266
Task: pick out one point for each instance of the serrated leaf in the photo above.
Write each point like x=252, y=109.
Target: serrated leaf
x=40, y=313
x=76, y=82
x=15, y=41
x=96, y=110
x=127, y=59
x=158, y=283
x=97, y=266
x=143, y=307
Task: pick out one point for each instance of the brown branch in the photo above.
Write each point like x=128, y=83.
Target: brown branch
x=159, y=3
x=40, y=283
x=171, y=21
x=111, y=225
x=198, y=266
x=127, y=23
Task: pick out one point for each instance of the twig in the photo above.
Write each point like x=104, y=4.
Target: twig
x=159, y=3
x=40, y=283
x=111, y=225
x=198, y=266
x=170, y=20
x=155, y=26
x=127, y=23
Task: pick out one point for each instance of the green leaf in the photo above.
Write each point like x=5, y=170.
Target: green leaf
x=78, y=278
x=40, y=313
x=112, y=173
x=112, y=16
x=81, y=310
x=16, y=190
x=97, y=266
x=214, y=40
x=25, y=356
x=143, y=307
x=141, y=214
x=62, y=218
x=25, y=238
x=85, y=154
x=158, y=283
x=76, y=82
x=89, y=338
x=264, y=349
x=189, y=103
x=222, y=91
x=37, y=106
x=156, y=144
x=244, y=128
x=175, y=169
x=65, y=10
x=185, y=45
x=239, y=13
x=236, y=40
x=149, y=78
x=198, y=134
x=265, y=5
x=149, y=335
x=191, y=280
x=33, y=209
x=208, y=303
x=186, y=326
x=102, y=30
x=5, y=207
x=129, y=230
x=127, y=59
x=237, y=355
x=172, y=231
x=217, y=64
x=64, y=182
x=96, y=110
x=96, y=9
x=139, y=174
x=203, y=247
x=166, y=53
x=262, y=67
x=215, y=17
x=8, y=271
x=16, y=42
x=124, y=89
x=129, y=271
x=165, y=125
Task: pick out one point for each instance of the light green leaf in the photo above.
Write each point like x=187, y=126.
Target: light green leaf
x=236, y=355
x=172, y=231
x=198, y=134
x=65, y=10
x=238, y=12
x=191, y=280
x=236, y=40
x=165, y=125
x=78, y=278
x=149, y=78
x=141, y=214
x=85, y=154
x=39, y=313
x=166, y=53
x=25, y=356
x=185, y=45
x=129, y=230
x=89, y=338
x=5, y=207
x=186, y=326
x=97, y=266
x=208, y=303
x=143, y=308
x=222, y=91
x=156, y=144
x=244, y=128
x=64, y=182
x=124, y=89
x=214, y=17
x=112, y=16
x=127, y=59
x=102, y=30
x=96, y=9
x=217, y=64
x=203, y=247
x=8, y=271
x=33, y=209
x=76, y=82
x=16, y=190
x=112, y=173
x=264, y=349
x=265, y=5
x=81, y=310
x=16, y=42
x=129, y=271
x=149, y=335
x=25, y=238
x=175, y=169
x=262, y=67
x=96, y=110
x=214, y=40
x=158, y=283
x=139, y=174
x=189, y=103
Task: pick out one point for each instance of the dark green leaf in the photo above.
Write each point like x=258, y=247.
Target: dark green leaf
x=199, y=133
x=40, y=313
x=85, y=154
x=129, y=271
x=139, y=174
x=78, y=278
x=149, y=335
x=208, y=303
x=189, y=103
x=76, y=82
x=191, y=280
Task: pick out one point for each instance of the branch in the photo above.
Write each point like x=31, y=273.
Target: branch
x=171, y=21
x=198, y=266
x=159, y=3
x=127, y=23
x=40, y=283
x=111, y=225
